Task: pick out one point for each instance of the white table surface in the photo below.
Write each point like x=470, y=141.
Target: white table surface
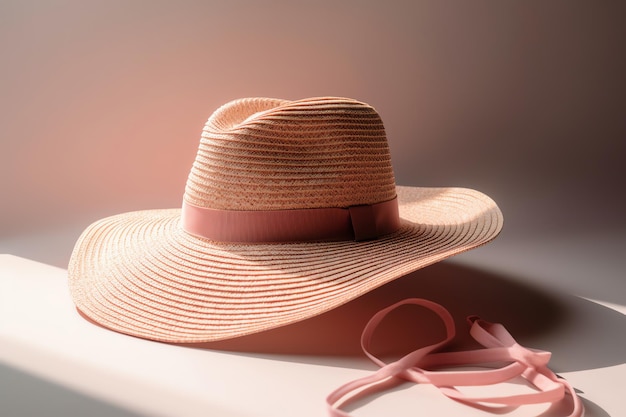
x=41, y=334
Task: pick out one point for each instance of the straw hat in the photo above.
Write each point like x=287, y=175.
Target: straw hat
x=290, y=210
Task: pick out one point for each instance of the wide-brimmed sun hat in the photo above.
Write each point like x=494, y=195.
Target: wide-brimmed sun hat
x=290, y=210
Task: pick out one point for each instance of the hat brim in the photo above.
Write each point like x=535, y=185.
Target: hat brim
x=141, y=274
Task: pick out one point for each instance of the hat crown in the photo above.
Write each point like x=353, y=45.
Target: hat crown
x=272, y=154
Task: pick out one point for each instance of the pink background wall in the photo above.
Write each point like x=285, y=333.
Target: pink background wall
x=102, y=103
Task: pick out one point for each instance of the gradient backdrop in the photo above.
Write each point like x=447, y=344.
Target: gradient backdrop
x=102, y=104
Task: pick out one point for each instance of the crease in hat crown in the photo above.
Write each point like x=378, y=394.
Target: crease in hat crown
x=272, y=154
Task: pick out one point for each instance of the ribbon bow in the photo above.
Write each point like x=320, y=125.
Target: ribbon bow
x=499, y=346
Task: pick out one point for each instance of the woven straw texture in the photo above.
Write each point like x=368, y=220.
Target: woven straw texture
x=266, y=154
x=142, y=274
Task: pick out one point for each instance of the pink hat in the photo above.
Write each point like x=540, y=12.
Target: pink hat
x=290, y=210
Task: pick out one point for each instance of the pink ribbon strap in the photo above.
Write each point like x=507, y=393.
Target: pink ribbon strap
x=499, y=347
x=358, y=223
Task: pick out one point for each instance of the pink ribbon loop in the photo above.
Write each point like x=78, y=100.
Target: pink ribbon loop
x=537, y=359
x=493, y=335
x=417, y=366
